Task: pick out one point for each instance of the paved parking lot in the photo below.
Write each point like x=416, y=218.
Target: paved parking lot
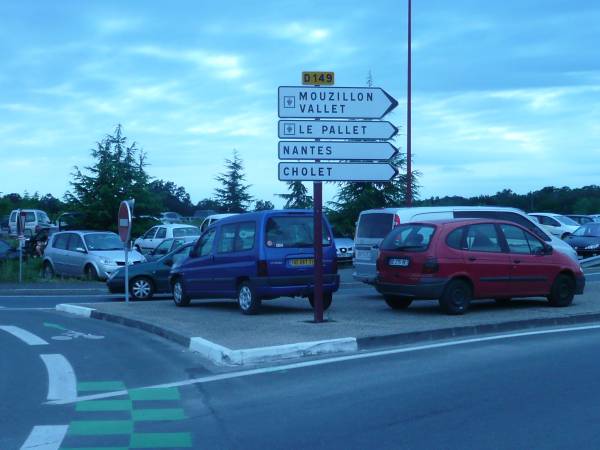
x=357, y=311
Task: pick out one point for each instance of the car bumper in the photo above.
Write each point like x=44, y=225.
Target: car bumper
x=295, y=286
x=579, y=284
x=428, y=288
x=116, y=285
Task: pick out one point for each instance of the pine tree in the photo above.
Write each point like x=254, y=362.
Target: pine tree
x=233, y=196
x=298, y=197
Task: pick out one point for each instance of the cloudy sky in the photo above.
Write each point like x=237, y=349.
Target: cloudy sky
x=505, y=94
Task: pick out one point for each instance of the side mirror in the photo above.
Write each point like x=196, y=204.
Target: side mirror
x=168, y=262
x=80, y=250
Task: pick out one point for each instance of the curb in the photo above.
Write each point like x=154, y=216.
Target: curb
x=219, y=355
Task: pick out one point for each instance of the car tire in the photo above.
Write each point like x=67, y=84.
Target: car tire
x=503, y=300
x=327, y=300
x=248, y=301
x=47, y=270
x=396, y=302
x=456, y=297
x=141, y=288
x=563, y=291
x=179, y=296
x=91, y=274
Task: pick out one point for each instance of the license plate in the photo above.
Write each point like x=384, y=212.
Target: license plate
x=398, y=262
x=302, y=262
x=363, y=254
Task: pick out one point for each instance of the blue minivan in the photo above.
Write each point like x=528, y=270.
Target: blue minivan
x=254, y=257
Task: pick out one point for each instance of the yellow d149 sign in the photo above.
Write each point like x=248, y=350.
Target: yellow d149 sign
x=318, y=78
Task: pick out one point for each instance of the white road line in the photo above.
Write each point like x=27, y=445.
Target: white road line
x=4, y=308
x=62, y=383
x=24, y=335
x=320, y=362
x=45, y=437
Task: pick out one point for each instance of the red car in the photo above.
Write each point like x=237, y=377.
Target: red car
x=460, y=260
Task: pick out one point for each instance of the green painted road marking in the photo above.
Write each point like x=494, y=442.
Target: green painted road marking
x=160, y=440
x=94, y=448
x=141, y=415
x=87, y=386
x=100, y=427
x=171, y=393
x=54, y=325
x=104, y=405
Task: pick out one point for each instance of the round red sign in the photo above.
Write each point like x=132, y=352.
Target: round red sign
x=124, y=220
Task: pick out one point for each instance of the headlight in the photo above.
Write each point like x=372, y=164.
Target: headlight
x=592, y=247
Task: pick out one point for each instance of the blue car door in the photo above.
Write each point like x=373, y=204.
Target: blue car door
x=198, y=269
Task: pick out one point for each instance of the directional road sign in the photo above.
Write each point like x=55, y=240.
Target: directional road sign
x=305, y=171
x=336, y=129
x=336, y=150
x=334, y=102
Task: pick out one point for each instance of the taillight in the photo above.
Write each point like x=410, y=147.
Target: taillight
x=262, y=268
x=431, y=266
x=396, y=220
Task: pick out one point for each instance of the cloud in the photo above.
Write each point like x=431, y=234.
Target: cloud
x=249, y=124
x=300, y=32
x=118, y=25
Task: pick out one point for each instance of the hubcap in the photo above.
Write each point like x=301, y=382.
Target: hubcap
x=177, y=292
x=141, y=288
x=245, y=297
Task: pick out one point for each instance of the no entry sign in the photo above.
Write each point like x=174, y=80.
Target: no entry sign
x=124, y=220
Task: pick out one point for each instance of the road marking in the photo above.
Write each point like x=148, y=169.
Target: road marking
x=62, y=383
x=4, y=308
x=45, y=437
x=320, y=362
x=24, y=335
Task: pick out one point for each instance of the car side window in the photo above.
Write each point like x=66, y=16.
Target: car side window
x=550, y=221
x=161, y=233
x=164, y=247
x=13, y=216
x=205, y=243
x=60, y=241
x=29, y=217
x=226, y=242
x=455, y=238
x=182, y=254
x=516, y=239
x=150, y=233
x=245, y=236
x=482, y=237
x=75, y=243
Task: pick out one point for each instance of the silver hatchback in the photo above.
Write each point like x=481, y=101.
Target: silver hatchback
x=93, y=254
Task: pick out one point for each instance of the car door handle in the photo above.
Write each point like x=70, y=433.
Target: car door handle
x=517, y=261
x=472, y=258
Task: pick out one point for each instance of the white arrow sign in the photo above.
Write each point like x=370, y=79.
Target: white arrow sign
x=334, y=103
x=332, y=129
x=336, y=150
x=301, y=171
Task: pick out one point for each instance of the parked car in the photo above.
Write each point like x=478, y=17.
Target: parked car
x=4, y=224
x=35, y=220
x=170, y=217
x=556, y=224
x=374, y=224
x=254, y=257
x=168, y=245
x=209, y=220
x=581, y=219
x=7, y=251
x=461, y=260
x=586, y=240
x=344, y=248
x=93, y=254
x=155, y=235
x=149, y=278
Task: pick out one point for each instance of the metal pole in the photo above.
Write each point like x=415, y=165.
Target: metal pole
x=318, y=226
x=126, y=272
x=408, y=115
x=20, y=257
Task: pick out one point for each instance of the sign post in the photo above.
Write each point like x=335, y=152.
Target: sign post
x=124, y=226
x=348, y=137
x=21, y=237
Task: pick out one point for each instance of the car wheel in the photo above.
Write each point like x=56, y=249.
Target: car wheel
x=248, y=302
x=563, y=291
x=503, y=300
x=179, y=296
x=91, y=273
x=141, y=288
x=327, y=300
x=47, y=271
x=456, y=297
x=396, y=302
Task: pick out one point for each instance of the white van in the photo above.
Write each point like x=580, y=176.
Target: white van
x=209, y=220
x=374, y=224
x=35, y=220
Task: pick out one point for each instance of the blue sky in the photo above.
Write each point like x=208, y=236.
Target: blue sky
x=505, y=94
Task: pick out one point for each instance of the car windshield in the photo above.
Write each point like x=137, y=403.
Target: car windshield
x=566, y=220
x=103, y=241
x=376, y=225
x=409, y=237
x=588, y=230
x=188, y=231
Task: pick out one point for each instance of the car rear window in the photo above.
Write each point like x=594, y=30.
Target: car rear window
x=409, y=237
x=375, y=225
x=188, y=231
x=508, y=216
x=293, y=231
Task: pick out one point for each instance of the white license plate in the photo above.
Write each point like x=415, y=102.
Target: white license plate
x=398, y=262
x=364, y=255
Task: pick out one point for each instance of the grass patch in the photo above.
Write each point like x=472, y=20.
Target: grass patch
x=32, y=270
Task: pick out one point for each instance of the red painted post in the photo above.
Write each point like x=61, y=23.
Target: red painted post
x=408, y=116
x=318, y=245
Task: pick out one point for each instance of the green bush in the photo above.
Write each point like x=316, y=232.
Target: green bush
x=32, y=270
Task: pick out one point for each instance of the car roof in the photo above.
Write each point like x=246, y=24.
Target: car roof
x=433, y=209
x=176, y=225
x=465, y=221
x=242, y=217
